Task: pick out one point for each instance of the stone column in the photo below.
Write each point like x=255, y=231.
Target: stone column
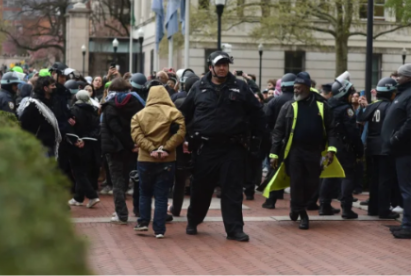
x=78, y=34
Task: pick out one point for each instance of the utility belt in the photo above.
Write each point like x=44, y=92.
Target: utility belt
x=197, y=141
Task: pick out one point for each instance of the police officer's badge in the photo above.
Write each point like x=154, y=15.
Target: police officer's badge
x=11, y=105
x=350, y=112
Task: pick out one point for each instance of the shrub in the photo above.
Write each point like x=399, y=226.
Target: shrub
x=37, y=236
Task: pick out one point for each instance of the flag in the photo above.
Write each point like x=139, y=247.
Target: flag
x=157, y=7
x=183, y=16
x=171, y=17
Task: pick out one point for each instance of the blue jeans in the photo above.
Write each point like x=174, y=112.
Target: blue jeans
x=155, y=180
x=403, y=164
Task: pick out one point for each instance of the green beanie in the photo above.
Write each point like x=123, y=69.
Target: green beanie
x=17, y=69
x=44, y=73
x=107, y=85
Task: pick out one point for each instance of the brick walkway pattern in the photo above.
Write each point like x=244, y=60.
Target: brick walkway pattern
x=275, y=247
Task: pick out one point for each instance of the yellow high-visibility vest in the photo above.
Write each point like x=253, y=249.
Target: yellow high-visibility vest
x=281, y=180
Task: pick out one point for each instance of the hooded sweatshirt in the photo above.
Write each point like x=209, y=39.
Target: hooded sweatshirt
x=158, y=124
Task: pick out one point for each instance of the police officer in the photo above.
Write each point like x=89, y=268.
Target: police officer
x=8, y=92
x=138, y=82
x=184, y=75
x=216, y=111
x=383, y=174
x=272, y=109
x=349, y=145
x=396, y=137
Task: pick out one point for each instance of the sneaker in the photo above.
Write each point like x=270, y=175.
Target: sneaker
x=159, y=236
x=105, y=190
x=73, y=202
x=398, y=210
x=115, y=219
x=141, y=226
x=110, y=191
x=93, y=202
x=114, y=214
x=130, y=191
x=287, y=190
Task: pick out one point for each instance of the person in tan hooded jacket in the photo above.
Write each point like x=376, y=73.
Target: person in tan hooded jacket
x=157, y=130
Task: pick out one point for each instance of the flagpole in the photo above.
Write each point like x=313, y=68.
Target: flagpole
x=170, y=52
x=131, y=36
x=187, y=36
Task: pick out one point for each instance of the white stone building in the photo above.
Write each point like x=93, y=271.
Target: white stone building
x=278, y=60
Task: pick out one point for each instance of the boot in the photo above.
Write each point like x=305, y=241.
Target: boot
x=347, y=212
x=269, y=203
x=294, y=215
x=304, y=222
x=326, y=209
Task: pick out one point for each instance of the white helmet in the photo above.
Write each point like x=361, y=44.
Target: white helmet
x=179, y=73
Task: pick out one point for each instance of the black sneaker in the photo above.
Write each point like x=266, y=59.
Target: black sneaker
x=391, y=215
x=191, y=230
x=169, y=218
x=142, y=226
x=403, y=233
x=249, y=197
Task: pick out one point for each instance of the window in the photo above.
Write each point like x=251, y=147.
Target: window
x=207, y=53
x=376, y=69
x=294, y=62
x=378, y=10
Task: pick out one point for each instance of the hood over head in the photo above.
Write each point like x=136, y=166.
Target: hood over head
x=158, y=95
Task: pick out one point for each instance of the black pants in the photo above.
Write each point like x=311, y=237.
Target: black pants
x=303, y=167
x=383, y=179
x=254, y=174
x=330, y=185
x=64, y=162
x=181, y=177
x=224, y=164
x=85, y=170
x=107, y=169
x=119, y=164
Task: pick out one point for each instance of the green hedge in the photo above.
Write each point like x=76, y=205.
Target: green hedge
x=37, y=236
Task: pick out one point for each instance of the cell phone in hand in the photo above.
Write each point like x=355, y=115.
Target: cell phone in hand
x=362, y=93
x=239, y=73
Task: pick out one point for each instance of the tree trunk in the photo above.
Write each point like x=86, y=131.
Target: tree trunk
x=341, y=54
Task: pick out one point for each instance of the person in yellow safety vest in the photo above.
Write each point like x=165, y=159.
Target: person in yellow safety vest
x=303, y=130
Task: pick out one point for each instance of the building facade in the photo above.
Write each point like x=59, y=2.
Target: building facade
x=280, y=59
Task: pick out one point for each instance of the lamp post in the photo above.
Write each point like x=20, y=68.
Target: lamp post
x=115, y=46
x=260, y=51
x=220, y=4
x=404, y=55
x=368, y=59
x=140, y=36
x=84, y=50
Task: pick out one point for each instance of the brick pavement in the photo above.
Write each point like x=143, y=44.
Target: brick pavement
x=275, y=247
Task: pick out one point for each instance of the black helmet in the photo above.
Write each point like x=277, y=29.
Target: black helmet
x=81, y=84
x=138, y=81
x=72, y=85
x=59, y=67
x=287, y=82
x=342, y=86
x=186, y=74
x=10, y=78
x=190, y=82
x=386, y=85
x=217, y=57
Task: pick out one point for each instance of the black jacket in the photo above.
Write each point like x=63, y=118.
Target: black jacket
x=222, y=111
x=272, y=109
x=115, y=128
x=396, y=129
x=61, y=107
x=282, y=129
x=374, y=114
x=349, y=138
x=7, y=101
x=34, y=122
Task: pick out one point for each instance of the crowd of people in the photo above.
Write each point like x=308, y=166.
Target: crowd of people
x=177, y=133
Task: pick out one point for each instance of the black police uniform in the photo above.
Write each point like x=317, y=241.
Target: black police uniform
x=218, y=113
x=7, y=101
x=382, y=170
x=396, y=139
x=350, y=148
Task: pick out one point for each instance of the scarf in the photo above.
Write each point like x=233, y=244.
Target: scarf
x=48, y=115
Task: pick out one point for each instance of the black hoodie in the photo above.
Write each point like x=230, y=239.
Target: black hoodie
x=115, y=128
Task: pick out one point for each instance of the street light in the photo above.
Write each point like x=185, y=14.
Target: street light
x=84, y=50
x=115, y=46
x=404, y=55
x=260, y=51
x=140, y=36
x=220, y=4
